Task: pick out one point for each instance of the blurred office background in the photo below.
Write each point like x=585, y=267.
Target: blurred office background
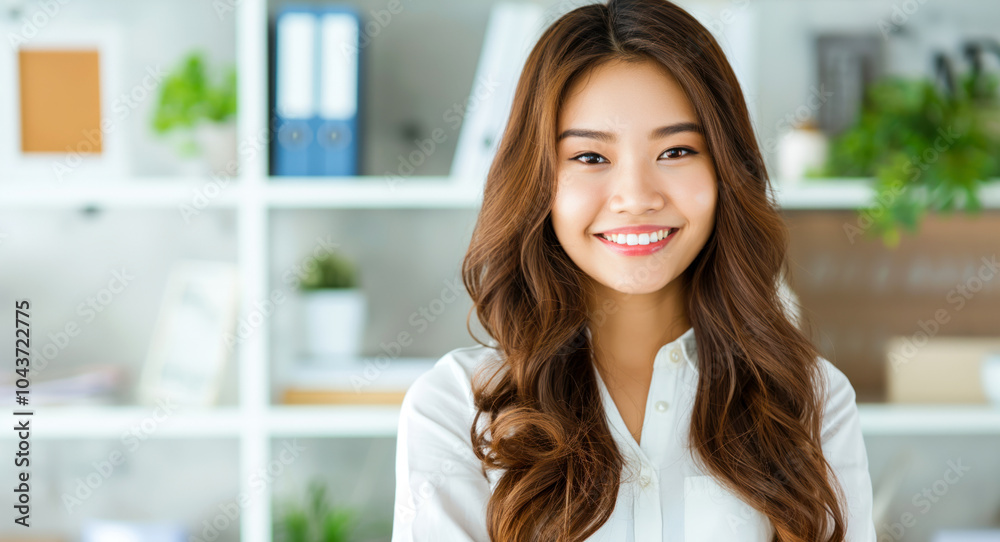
x=902, y=297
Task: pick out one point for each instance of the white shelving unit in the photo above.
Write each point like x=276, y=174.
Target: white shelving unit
x=361, y=192
x=277, y=421
x=850, y=194
x=877, y=419
x=254, y=421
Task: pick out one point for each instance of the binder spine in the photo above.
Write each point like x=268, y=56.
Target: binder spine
x=317, y=91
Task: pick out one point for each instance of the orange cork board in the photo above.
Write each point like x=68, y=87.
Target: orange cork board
x=60, y=101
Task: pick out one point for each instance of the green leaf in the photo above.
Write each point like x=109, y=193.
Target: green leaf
x=329, y=270
x=188, y=96
x=934, y=148
x=337, y=526
x=315, y=520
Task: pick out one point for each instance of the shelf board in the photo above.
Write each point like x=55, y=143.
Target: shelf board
x=903, y=419
x=276, y=192
x=371, y=192
x=363, y=192
x=849, y=193
x=333, y=421
x=367, y=421
x=53, y=422
x=112, y=422
x=822, y=193
x=876, y=419
x=138, y=192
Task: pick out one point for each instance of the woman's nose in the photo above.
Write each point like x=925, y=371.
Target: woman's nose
x=636, y=189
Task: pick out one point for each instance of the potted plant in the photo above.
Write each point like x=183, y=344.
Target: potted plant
x=929, y=148
x=200, y=114
x=315, y=521
x=335, y=307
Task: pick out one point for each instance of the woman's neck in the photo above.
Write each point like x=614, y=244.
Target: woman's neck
x=628, y=329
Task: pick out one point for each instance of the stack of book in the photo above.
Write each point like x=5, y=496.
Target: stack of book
x=98, y=384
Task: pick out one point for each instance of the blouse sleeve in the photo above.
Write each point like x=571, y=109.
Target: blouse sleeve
x=441, y=491
x=844, y=449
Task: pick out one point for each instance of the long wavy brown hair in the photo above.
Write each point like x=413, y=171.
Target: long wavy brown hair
x=757, y=415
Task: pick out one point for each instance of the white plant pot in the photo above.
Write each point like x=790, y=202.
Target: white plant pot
x=798, y=151
x=218, y=147
x=991, y=377
x=334, y=322
x=181, y=164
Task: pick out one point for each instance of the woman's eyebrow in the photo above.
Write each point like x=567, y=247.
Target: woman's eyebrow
x=609, y=137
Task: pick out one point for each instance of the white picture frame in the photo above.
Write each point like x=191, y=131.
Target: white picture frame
x=106, y=38
x=189, y=351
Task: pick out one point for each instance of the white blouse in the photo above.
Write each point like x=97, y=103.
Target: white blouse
x=441, y=493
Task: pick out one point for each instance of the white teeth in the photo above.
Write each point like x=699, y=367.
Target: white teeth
x=637, y=239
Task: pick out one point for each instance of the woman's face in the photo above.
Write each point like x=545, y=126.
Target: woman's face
x=632, y=162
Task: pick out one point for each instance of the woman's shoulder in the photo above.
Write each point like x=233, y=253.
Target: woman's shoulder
x=838, y=394
x=434, y=440
x=449, y=381
x=835, y=382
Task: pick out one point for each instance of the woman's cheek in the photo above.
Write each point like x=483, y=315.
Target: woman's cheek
x=703, y=193
x=575, y=202
x=704, y=199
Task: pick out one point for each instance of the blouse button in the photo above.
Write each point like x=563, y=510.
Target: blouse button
x=675, y=355
x=661, y=406
x=645, y=480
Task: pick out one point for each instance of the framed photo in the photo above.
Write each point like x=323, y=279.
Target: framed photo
x=188, y=351
x=61, y=102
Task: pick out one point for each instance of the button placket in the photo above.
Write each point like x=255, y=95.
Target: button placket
x=648, y=513
x=664, y=379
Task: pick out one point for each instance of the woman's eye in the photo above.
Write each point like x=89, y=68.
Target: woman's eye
x=593, y=158
x=578, y=157
x=673, y=151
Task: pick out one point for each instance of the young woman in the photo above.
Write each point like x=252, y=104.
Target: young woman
x=646, y=382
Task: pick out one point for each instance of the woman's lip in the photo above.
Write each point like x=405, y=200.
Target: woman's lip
x=637, y=250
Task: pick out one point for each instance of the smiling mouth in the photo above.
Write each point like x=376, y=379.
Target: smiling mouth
x=633, y=239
